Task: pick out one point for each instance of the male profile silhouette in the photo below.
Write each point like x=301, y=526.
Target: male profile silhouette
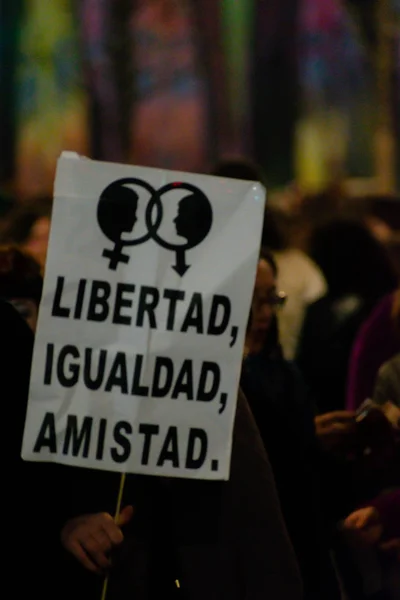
x=194, y=218
x=116, y=215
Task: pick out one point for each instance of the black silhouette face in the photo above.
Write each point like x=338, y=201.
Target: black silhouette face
x=117, y=215
x=132, y=220
x=194, y=218
x=116, y=211
x=183, y=219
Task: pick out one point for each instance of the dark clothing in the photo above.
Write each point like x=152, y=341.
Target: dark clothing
x=329, y=329
x=285, y=418
x=16, y=356
x=26, y=503
x=222, y=540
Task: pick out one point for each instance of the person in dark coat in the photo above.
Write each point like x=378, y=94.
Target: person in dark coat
x=285, y=417
x=26, y=501
x=218, y=539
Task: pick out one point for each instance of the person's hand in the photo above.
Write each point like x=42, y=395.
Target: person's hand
x=365, y=525
x=392, y=547
x=335, y=429
x=90, y=538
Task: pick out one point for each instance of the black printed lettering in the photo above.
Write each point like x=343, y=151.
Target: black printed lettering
x=209, y=382
x=47, y=435
x=197, y=449
x=123, y=302
x=121, y=430
x=80, y=298
x=80, y=438
x=184, y=381
x=174, y=296
x=94, y=382
x=163, y=377
x=72, y=378
x=222, y=403
x=57, y=310
x=48, y=369
x=148, y=431
x=137, y=388
x=118, y=375
x=148, y=301
x=219, y=315
x=194, y=315
x=234, y=334
x=98, y=305
x=169, y=451
x=101, y=439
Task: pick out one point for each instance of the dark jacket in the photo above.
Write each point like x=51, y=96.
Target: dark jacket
x=26, y=499
x=285, y=418
x=220, y=539
x=329, y=330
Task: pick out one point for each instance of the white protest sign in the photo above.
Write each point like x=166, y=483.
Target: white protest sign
x=147, y=293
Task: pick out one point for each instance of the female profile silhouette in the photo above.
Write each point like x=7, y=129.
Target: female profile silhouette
x=116, y=211
x=117, y=214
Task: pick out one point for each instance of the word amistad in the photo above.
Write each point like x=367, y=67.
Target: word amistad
x=88, y=437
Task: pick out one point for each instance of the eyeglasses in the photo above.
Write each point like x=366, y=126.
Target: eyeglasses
x=276, y=299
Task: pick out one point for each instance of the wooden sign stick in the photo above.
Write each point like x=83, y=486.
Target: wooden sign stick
x=116, y=516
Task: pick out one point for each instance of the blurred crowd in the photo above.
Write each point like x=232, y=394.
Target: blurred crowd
x=321, y=375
